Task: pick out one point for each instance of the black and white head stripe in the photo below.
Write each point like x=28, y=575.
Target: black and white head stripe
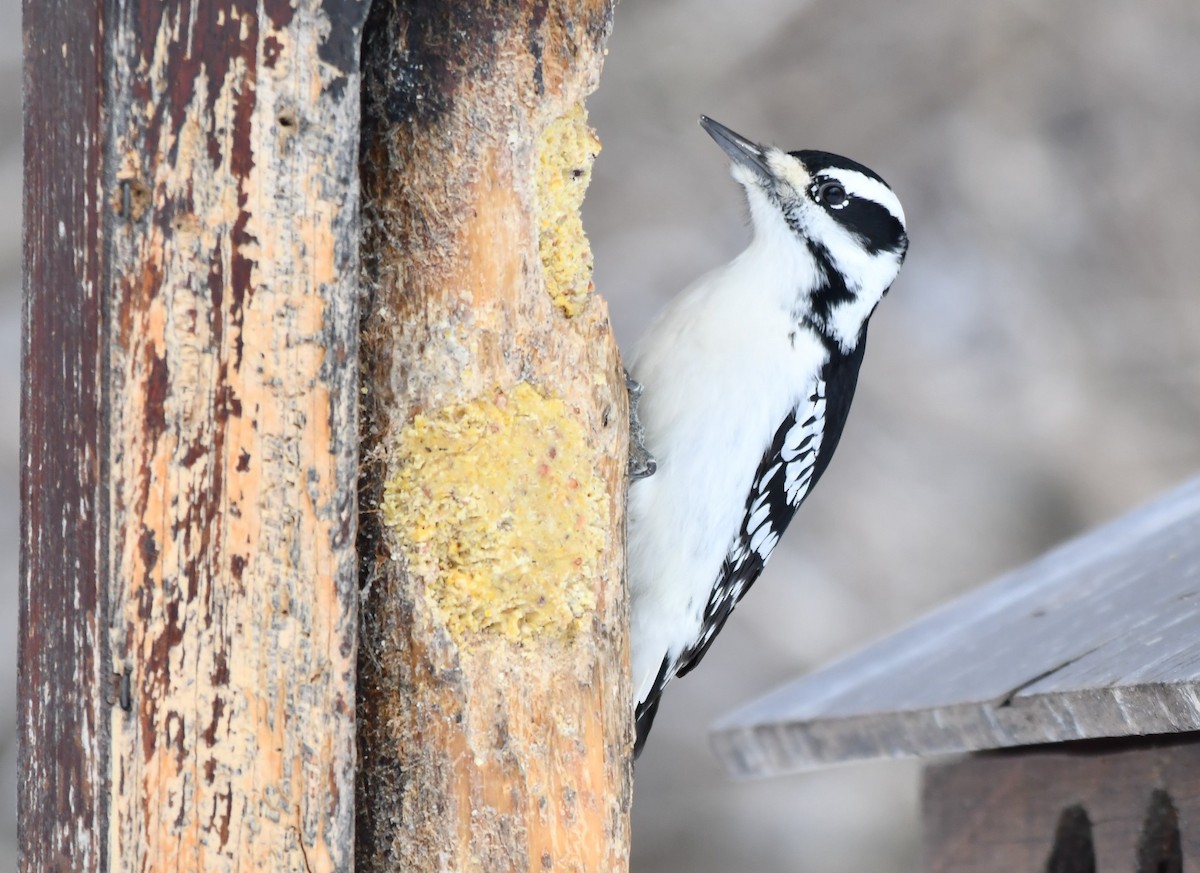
x=863, y=185
x=857, y=239
x=870, y=211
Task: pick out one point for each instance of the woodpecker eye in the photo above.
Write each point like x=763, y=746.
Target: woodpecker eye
x=831, y=194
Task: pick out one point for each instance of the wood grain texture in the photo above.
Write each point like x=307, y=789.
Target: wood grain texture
x=195, y=392
x=62, y=714
x=233, y=484
x=495, y=728
x=1112, y=807
x=1099, y=638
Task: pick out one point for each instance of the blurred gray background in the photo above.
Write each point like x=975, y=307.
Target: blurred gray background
x=1033, y=373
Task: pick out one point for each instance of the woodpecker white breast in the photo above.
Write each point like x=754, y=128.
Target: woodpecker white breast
x=748, y=377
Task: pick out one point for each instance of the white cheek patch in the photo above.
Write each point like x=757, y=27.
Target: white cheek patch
x=844, y=249
x=859, y=185
x=846, y=320
x=867, y=275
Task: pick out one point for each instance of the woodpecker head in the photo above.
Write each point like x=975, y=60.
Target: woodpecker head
x=841, y=219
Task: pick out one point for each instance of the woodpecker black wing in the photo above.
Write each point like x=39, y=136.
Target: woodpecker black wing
x=785, y=474
x=799, y=454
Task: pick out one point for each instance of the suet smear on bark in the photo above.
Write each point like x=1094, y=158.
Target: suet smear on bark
x=494, y=727
x=566, y=150
x=498, y=510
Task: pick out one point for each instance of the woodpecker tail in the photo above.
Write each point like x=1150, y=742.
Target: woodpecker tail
x=644, y=719
x=648, y=707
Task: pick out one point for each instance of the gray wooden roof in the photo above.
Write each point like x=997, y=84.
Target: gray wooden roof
x=1098, y=638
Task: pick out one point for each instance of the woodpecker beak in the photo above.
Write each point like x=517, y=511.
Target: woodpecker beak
x=740, y=149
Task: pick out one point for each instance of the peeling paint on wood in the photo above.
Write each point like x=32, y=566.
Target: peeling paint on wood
x=233, y=346
x=223, y=458
x=63, y=683
x=485, y=751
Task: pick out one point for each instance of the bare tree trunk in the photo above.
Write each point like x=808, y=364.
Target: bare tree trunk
x=495, y=728
x=189, y=420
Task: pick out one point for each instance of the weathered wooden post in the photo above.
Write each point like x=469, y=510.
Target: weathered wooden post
x=494, y=702
x=189, y=442
x=1073, y=682
x=191, y=437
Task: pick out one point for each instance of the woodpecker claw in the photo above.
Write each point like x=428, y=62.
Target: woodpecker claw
x=641, y=463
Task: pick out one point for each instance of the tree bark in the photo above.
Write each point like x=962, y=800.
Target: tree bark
x=495, y=721
x=188, y=608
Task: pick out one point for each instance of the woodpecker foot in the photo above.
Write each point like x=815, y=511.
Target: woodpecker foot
x=641, y=463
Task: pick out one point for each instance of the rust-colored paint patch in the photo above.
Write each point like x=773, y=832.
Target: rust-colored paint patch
x=498, y=508
x=231, y=604
x=566, y=150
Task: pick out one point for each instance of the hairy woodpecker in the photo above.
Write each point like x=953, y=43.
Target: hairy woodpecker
x=748, y=377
